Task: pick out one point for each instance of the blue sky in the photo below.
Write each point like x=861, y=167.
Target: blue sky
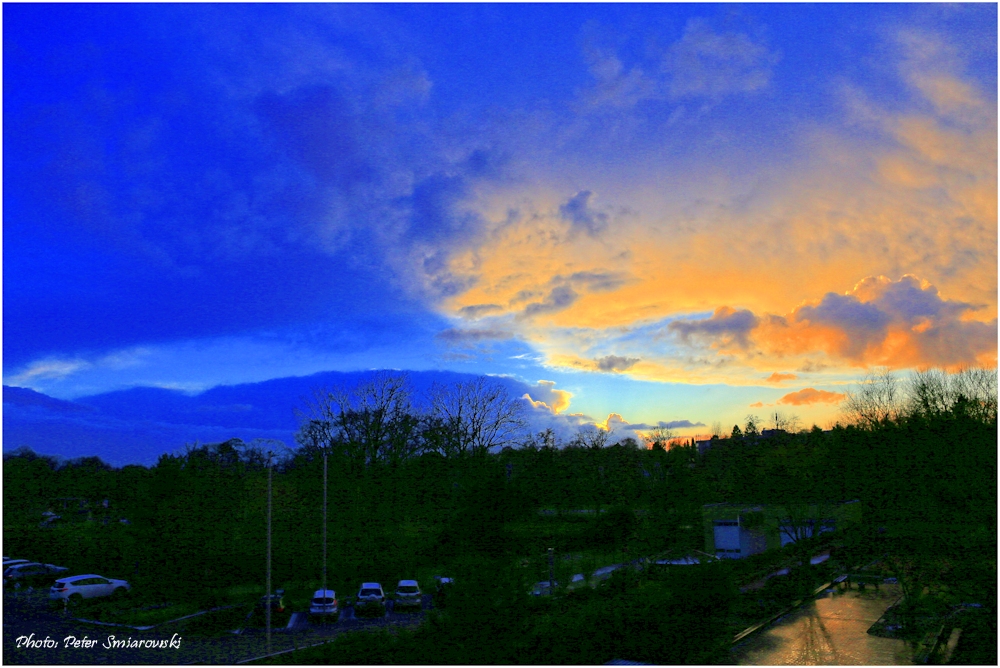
x=673, y=212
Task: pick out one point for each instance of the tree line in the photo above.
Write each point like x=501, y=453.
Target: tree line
x=411, y=490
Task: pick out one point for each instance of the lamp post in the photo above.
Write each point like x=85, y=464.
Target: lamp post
x=324, y=531
x=552, y=585
x=267, y=598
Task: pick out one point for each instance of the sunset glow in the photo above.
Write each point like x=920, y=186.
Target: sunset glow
x=645, y=214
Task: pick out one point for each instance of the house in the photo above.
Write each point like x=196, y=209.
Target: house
x=705, y=445
x=734, y=531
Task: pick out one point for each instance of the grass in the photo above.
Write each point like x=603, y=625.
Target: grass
x=215, y=623
x=129, y=611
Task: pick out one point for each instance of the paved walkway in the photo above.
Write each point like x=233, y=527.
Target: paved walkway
x=832, y=630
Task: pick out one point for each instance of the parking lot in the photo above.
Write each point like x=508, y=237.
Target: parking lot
x=28, y=616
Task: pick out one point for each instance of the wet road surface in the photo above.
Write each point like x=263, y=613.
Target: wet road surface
x=831, y=630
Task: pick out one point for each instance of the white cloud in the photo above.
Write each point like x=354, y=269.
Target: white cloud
x=705, y=63
x=48, y=369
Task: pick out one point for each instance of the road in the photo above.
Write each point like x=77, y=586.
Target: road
x=831, y=630
x=27, y=615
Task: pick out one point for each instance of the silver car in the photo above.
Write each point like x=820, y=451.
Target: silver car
x=324, y=602
x=370, y=597
x=408, y=594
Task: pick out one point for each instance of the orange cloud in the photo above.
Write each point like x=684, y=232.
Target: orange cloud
x=759, y=404
x=569, y=269
x=904, y=323
x=614, y=420
x=810, y=396
x=549, y=398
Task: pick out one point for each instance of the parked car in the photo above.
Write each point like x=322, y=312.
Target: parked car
x=79, y=587
x=7, y=562
x=408, y=594
x=277, y=600
x=32, y=573
x=370, y=598
x=324, y=602
x=543, y=588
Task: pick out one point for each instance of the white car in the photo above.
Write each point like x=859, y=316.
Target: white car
x=87, y=586
x=370, y=597
x=7, y=563
x=324, y=602
x=408, y=594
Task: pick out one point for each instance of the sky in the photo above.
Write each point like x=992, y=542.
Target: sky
x=678, y=214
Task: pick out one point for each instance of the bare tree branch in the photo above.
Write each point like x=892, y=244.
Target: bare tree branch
x=876, y=401
x=480, y=415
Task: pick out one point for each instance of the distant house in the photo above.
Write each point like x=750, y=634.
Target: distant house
x=734, y=531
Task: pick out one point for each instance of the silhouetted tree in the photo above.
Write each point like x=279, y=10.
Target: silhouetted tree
x=479, y=415
x=875, y=401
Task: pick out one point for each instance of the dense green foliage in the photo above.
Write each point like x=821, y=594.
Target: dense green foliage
x=197, y=525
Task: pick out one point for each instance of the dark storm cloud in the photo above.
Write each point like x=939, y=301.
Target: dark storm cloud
x=181, y=187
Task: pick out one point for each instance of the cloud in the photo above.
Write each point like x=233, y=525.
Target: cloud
x=758, y=404
x=725, y=327
x=811, y=366
x=906, y=189
x=706, y=63
x=616, y=363
x=599, y=281
x=703, y=63
x=316, y=125
x=581, y=216
x=565, y=425
x=904, y=323
x=432, y=209
x=478, y=310
x=47, y=369
x=549, y=398
x=614, y=85
x=679, y=424
x=558, y=299
x=614, y=421
x=810, y=396
x=606, y=364
x=473, y=335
